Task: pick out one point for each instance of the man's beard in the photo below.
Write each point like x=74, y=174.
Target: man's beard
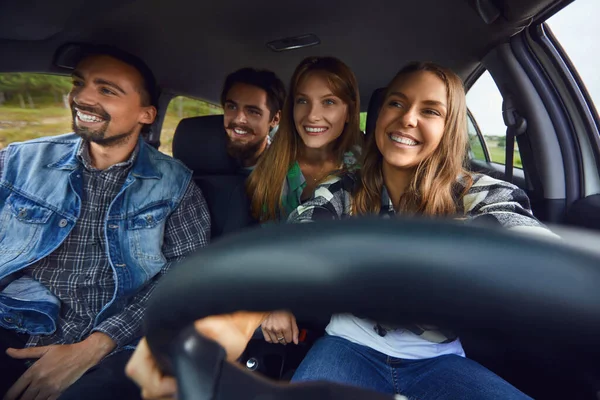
x=98, y=135
x=243, y=151
x=239, y=150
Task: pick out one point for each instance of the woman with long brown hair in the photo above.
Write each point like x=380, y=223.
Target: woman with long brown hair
x=413, y=164
x=318, y=136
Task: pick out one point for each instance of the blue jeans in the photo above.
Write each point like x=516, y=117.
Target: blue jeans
x=446, y=377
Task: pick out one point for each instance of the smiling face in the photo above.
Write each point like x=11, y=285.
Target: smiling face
x=319, y=115
x=247, y=120
x=106, y=101
x=412, y=119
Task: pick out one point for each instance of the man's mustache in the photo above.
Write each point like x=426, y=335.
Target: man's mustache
x=233, y=125
x=99, y=111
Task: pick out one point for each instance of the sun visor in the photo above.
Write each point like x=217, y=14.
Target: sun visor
x=68, y=55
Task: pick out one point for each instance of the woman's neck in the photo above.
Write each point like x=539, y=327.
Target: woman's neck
x=315, y=156
x=396, y=181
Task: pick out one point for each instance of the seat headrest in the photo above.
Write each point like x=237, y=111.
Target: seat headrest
x=373, y=111
x=201, y=144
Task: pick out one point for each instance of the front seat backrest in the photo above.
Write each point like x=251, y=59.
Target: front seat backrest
x=200, y=143
x=373, y=110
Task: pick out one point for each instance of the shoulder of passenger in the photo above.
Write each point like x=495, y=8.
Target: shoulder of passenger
x=166, y=160
x=68, y=138
x=482, y=181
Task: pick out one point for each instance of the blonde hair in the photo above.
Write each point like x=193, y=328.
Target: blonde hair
x=265, y=184
x=433, y=190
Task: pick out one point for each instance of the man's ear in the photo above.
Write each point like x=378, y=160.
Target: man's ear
x=276, y=119
x=148, y=115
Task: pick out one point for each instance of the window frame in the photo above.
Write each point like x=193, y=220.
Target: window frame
x=156, y=137
x=482, y=141
x=481, y=70
x=578, y=92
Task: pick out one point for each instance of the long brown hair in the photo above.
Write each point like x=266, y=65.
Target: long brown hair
x=433, y=188
x=266, y=181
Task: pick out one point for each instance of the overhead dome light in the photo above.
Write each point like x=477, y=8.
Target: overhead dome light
x=294, y=42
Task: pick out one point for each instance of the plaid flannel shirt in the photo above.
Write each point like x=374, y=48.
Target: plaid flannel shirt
x=78, y=271
x=488, y=199
x=295, y=182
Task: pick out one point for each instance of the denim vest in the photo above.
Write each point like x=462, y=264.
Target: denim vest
x=40, y=202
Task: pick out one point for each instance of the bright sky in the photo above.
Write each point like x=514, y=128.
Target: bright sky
x=576, y=27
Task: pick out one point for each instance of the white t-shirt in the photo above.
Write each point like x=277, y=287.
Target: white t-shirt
x=397, y=343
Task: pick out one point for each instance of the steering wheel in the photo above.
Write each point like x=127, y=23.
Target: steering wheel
x=393, y=271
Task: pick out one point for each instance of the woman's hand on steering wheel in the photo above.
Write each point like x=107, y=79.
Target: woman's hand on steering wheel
x=280, y=327
x=144, y=371
x=232, y=331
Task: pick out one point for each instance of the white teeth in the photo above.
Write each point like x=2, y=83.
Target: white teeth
x=314, y=130
x=403, y=140
x=240, y=132
x=87, y=117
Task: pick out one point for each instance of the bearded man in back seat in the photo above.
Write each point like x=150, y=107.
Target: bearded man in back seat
x=252, y=101
x=89, y=223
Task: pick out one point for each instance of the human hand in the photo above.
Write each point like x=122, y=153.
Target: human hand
x=232, y=331
x=280, y=327
x=57, y=367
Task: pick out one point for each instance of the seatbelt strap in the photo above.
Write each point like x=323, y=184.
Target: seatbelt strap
x=515, y=126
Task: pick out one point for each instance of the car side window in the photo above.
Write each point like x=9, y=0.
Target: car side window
x=32, y=106
x=576, y=28
x=485, y=105
x=181, y=107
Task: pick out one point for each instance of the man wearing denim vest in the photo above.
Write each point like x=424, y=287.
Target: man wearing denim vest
x=89, y=222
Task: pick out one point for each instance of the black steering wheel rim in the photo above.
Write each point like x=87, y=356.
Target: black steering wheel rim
x=394, y=271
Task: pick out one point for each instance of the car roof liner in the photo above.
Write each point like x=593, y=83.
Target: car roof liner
x=34, y=20
x=40, y=20
x=203, y=42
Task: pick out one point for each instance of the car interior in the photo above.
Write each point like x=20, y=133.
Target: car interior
x=192, y=46
x=525, y=328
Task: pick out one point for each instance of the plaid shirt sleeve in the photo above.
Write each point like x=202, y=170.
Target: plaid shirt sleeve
x=495, y=202
x=187, y=229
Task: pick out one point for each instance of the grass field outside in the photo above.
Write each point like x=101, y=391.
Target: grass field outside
x=498, y=153
x=19, y=124
x=496, y=148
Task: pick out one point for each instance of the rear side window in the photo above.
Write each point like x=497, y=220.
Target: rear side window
x=485, y=104
x=181, y=107
x=32, y=106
